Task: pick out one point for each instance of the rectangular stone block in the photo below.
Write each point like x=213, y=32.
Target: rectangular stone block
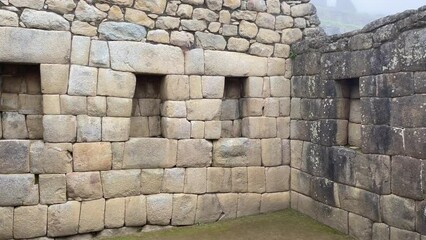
x=53, y=188
x=35, y=126
x=135, y=214
x=176, y=109
x=415, y=142
x=151, y=181
x=64, y=132
x=84, y=186
x=175, y=128
x=194, y=153
x=213, y=86
x=121, y=183
x=236, y=152
x=277, y=179
x=143, y=153
x=396, y=233
x=51, y=104
x=204, y=109
x=194, y=61
x=114, y=212
x=359, y=201
x=173, y=180
x=272, y=107
x=259, y=127
x=54, y=78
x=208, y=208
x=360, y=227
x=276, y=66
x=271, y=152
x=63, y=219
x=24, y=189
x=239, y=178
x=92, y=216
x=184, y=209
x=99, y=54
x=323, y=190
x=96, y=106
x=272, y=202
x=230, y=109
x=175, y=87
x=248, y=204
x=382, y=139
x=50, y=157
x=6, y=219
x=30, y=104
x=398, y=212
x=376, y=111
x=381, y=231
x=92, y=156
x=80, y=50
x=115, y=129
x=251, y=107
x=14, y=156
x=30, y=221
x=280, y=87
x=212, y=129
x=159, y=209
x=256, y=179
x=219, y=179
x=14, y=125
x=253, y=87
x=300, y=181
x=195, y=180
x=404, y=111
x=218, y=63
x=89, y=129
x=83, y=80
x=229, y=204
x=73, y=105
x=119, y=107
x=116, y=84
x=150, y=107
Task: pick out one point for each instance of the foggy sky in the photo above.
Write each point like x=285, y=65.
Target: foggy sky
x=385, y=7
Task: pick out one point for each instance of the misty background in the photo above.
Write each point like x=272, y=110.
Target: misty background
x=339, y=16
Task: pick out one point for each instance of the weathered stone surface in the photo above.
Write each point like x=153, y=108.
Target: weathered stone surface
x=359, y=201
x=194, y=153
x=83, y=80
x=121, y=183
x=238, y=44
x=248, y=204
x=6, y=219
x=14, y=156
x=83, y=28
x=139, y=17
x=146, y=58
x=8, y=19
x=121, y=31
x=44, y=20
x=301, y=10
x=219, y=63
x=119, y=107
x=219, y=179
x=396, y=233
x=35, y=46
x=210, y=41
x=61, y=6
x=272, y=202
x=159, y=209
x=50, y=158
x=135, y=211
x=208, y=208
x=53, y=188
x=30, y=222
x=360, y=227
x=195, y=180
x=88, y=13
x=381, y=231
x=73, y=105
x=115, y=129
x=277, y=179
x=203, y=109
x=64, y=132
x=173, y=180
x=181, y=39
x=213, y=129
x=175, y=109
x=398, y=212
x=291, y=36
x=194, y=62
x=99, y=54
x=407, y=177
x=84, y=186
x=92, y=216
x=54, y=78
x=159, y=36
x=63, y=219
x=229, y=204
x=239, y=179
x=88, y=129
x=151, y=180
x=92, y=156
x=35, y=4
x=184, y=209
x=154, y=6
x=236, y=152
x=175, y=128
x=271, y=152
x=114, y=212
x=382, y=139
x=143, y=153
x=259, y=127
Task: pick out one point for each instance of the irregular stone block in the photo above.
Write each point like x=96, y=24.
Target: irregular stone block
x=35, y=46
x=8, y=18
x=381, y=231
x=114, y=212
x=229, y=204
x=208, y=208
x=30, y=222
x=210, y=41
x=195, y=180
x=63, y=219
x=131, y=57
x=121, y=183
x=44, y=20
x=159, y=209
x=53, y=188
x=396, y=233
x=121, y=31
x=204, y=109
x=61, y=6
x=219, y=63
x=89, y=13
x=50, y=157
x=14, y=156
x=359, y=201
x=135, y=211
x=236, y=152
x=92, y=216
x=248, y=204
x=360, y=227
x=398, y=212
x=184, y=209
x=322, y=190
x=142, y=153
x=84, y=186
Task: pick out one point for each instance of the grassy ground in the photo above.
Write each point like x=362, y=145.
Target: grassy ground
x=284, y=225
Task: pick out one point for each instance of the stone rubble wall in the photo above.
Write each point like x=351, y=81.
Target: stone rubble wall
x=373, y=189
x=153, y=113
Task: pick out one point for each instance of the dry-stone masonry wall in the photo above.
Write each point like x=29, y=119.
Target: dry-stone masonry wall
x=358, y=129
x=120, y=114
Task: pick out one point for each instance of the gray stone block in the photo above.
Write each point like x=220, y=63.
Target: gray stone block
x=382, y=139
x=405, y=111
x=14, y=156
x=360, y=202
x=322, y=190
x=415, y=142
x=375, y=111
x=408, y=177
x=381, y=231
x=398, y=212
x=360, y=227
x=236, y=152
x=21, y=188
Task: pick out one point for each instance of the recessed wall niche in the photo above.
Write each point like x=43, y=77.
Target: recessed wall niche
x=146, y=119
x=21, y=102
x=231, y=114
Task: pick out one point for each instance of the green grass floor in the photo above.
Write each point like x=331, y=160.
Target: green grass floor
x=283, y=225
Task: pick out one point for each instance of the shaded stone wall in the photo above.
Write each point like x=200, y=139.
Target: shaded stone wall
x=373, y=189
x=153, y=112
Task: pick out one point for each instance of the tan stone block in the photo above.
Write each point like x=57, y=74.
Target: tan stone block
x=219, y=179
x=272, y=107
x=14, y=156
x=276, y=66
x=195, y=87
x=35, y=126
x=173, y=180
x=99, y=54
x=271, y=152
x=139, y=17
x=184, y=209
x=248, y=204
x=266, y=91
x=30, y=104
x=119, y=107
x=89, y=129
x=283, y=127
x=175, y=128
x=117, y=149
x=256, y=179
x=252, y=107
x=143, y=153
x=51, y=104
x=30, y=221
x=114, y=212
x=239, y=179
x=194, y=153
x=208, y=208
x=50, y=157
x=229, y=204
x=280, y=87
x=96, y=106
x=175, y=109
x=84, y=186
x=285, y=107
x=92, y=216
x=175, y=87
x=92, y=156
x=253, y=87
x=197, y=129
x=159, y=209
x=213, y=86
x=54, y=78
x=272, y=202
x=151, y=181
x=194, y=61
x=73, y=105
x=82, y=80
x=63, y=219
x=85, y=29
x=204, y=109
x=237, y=152
x=259, y=127
x=135, y=211
x=139, y=127
x=64, y=132
x=80, y=50
x=6, y=220
x=53, y=188
x=121, y=183
x=277, y=179
x=14, y=125
x=23, y=186
x=296, y=148
x=116, y=84
x=286, y=151
x=158, y=36
x=115, y=129
x=195, y=180
x=213, y=129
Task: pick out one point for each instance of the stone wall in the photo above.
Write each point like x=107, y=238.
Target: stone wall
x=370, y=186
x=129, y=114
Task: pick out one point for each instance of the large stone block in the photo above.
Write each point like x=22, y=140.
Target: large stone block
x=83, y=80
x=415, y=142
x=300, y=181
x=239, y=178
x=219, y=63
x=135, y=211
x=44, y=20
x=382, y=139
x=22, y=190
x=277, y=179
x=114, y=212
x=175, y=128
x=173, y=180
x=208, y=208
x=360, y=227
x=219, y=179
x=92, y=156
x=54, y=78
x=271, y=152
x=159, y=209
x=146, y=58
x=50, y=157
x=396, y=234
x=116, y=84
x=175, y=87
x=229, y=205
x=204, y=109
x=6, y=220
x=53, y=188
x=236, y=152
x=14, y=125
x=92, y=216
x=407, y=177
x=259, y=127
x=381, y=231
x=184, y=209
x=121, y=183
x=151, y=180
x=63, y=219
x=194, y=60
x=73, y=105
x=195, y=180
x=143, y=153
x=35, y=46
x=248, y=204
x=30, y=222
x=272, y=202
x=84, y=186
x=404, y=111
x=256, y=181
x=121, y=31
x=115, y=129
x=398, y=212
x=194, y=153
x=323, y=191
x=14, y=156
x=64, y=132
x=89, y=129
x=360, y=202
